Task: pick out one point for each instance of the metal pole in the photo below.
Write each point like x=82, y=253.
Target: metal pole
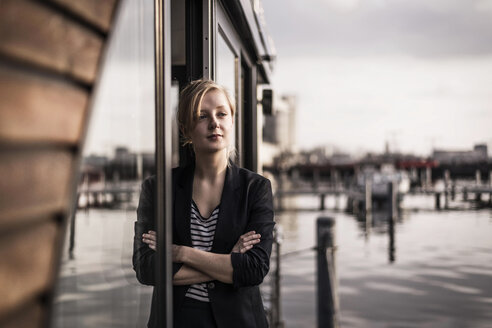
x=368, y=203
x=72, y=228
x=280, y=189
x=391, y=246
x=393, y=199
x=276, y=311
x=327, y=296
x=446, y=187
x=162, y=24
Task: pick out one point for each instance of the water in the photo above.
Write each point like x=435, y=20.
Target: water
x=438, y=275
x=98, y=287
x=436, y=271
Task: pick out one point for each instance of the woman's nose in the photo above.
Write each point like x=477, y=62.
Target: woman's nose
x=214, y=123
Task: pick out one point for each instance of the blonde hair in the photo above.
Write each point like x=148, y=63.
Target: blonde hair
x=190, y=100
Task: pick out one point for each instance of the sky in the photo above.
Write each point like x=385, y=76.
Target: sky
x=416, y=74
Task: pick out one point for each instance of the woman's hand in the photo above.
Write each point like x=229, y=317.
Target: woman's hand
x=150, y=239
x=246, y=242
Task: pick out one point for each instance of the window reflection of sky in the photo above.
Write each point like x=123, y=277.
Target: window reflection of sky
x=123, y=110
x=98, y=287
x=226, y=68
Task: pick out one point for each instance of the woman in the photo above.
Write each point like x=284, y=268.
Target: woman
x=222, y=222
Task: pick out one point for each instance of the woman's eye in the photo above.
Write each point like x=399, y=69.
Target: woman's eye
x=222, y=114
x=202, y=116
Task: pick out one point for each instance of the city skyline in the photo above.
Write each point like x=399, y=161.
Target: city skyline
x=411, y=73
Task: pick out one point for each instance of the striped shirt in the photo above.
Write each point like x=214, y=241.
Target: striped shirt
x=202, y=237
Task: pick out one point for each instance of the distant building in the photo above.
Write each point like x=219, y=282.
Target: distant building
x=279, y=130
x=477, y=155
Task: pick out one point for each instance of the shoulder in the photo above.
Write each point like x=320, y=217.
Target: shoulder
x=151, y=181
x=252, y=179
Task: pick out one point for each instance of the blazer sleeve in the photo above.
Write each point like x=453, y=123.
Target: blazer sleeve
x=144, y=258
x=251, y=267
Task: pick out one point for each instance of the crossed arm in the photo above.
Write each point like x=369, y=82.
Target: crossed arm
x=244, y=266
x=200, y=266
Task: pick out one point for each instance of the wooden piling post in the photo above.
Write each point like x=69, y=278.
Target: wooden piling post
x=322, y=202
x=391, y=245
x=393, y=199
x=327, y=296
x=446, y=187
x=478, y=177
x=368, y=204
x=368, y=195
x=465, y=194
x=438, y=200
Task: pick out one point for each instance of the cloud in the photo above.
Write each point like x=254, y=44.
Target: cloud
x=421, y=28
x=359, y=102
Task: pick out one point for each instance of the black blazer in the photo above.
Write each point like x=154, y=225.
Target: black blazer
x=246, y=204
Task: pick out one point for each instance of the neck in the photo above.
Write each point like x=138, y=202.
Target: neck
x=210, y=165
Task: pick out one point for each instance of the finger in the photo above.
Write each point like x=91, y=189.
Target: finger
x=149, y=242
x=251, y=237
x=252, y=242
x=245, y=249
x=149, y=236
x=249, y=233
x=152, y=232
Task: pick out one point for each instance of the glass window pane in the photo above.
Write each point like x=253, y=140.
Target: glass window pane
x=225, y=70
x=97, y=285
x=225, y=73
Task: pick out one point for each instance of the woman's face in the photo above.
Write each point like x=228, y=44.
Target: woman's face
x=214, y=125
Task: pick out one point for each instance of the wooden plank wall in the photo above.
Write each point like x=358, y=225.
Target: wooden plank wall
x=50, y=57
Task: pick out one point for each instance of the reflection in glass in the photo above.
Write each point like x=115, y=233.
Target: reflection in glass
x=97, y=285
x=226, y=75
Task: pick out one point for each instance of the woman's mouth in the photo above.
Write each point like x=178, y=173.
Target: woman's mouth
x=214, y=137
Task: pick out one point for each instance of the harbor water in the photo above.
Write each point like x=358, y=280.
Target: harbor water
x=433, y=269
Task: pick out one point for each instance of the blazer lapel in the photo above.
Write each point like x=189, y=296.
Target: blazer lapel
x=182, y=206
x=228, y=206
